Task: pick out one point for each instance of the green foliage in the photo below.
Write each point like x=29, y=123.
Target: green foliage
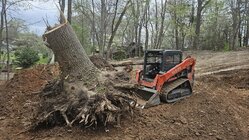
x=44, y=59
x=119, y=55
x=226, y=47
x=83, y=35
x=26, y=57
x=45, y=55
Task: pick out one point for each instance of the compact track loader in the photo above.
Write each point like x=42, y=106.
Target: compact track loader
x=165, y=77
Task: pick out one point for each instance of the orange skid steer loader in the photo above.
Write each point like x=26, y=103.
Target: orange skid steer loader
x=165, y=77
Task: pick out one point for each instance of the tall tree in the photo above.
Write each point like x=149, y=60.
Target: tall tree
x=161, y=31
x=103, y=18
x=246, y=38
x=62, y=8
x=114, y=26
x=2, y=24
x=69, y=11
x=235, y=9
x=201, y=4
x=7, y=39
x=146, y=22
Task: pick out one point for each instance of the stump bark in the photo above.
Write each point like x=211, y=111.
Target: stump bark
x=69, y=53
x=82, y=95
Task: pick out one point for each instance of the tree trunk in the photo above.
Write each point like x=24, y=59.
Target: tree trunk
x=161, y=31
x=183, y=38
x=146, y=13
x=102, y=27
x=115, y=28
x=146, y=44
x=246, y=38
x=200, y=7
x=7, y=40
x=198, y=25
x=69, y=11
x=82, y=95
x=156, y=26
x=236, y=21
x=73, y=57
x=62, y=8
x=138, y=45
x=191, y=24
x=2, y=26
x=176, y=28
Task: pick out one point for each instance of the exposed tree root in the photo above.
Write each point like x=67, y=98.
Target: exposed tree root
x=59, y=107
x=83, y=96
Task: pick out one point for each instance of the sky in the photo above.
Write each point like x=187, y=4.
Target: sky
x=38, y=11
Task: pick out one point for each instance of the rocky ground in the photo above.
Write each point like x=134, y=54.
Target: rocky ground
x=218, y=108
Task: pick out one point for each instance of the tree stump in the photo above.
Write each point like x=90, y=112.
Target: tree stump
x=82, y=95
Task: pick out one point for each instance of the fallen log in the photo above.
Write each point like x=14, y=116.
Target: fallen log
x=126, y=62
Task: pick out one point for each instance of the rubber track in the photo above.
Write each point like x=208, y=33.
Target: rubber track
x=169, y=87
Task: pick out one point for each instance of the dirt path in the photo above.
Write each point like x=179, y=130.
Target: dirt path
x=218, y=109
x=213, y=61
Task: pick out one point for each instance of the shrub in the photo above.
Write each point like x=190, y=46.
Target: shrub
x=45, y=55
x=226, y=47
x=119, y=55
x=26, y=57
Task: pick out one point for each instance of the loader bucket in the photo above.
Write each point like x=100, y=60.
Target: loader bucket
x=147, y=97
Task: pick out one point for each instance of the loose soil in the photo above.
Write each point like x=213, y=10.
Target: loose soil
x=218, y=108
x=101, y=63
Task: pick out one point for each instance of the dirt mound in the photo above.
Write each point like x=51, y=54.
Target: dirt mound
x=31, y=80
x=101, y=63
x=232, y=78
x=236, y=78
x=20, y=96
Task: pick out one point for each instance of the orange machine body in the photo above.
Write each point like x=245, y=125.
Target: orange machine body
x=171, y=75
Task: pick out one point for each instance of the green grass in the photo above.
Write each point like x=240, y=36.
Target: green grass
x=42, y=60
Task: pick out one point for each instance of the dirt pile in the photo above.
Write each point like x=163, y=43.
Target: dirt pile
x=20, y=95
x=31, y=80
x=236, y=78
x=101, y=63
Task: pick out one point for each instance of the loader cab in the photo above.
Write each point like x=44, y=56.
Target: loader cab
x=159, y=61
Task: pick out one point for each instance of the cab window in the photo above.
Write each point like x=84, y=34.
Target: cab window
x=173, y=59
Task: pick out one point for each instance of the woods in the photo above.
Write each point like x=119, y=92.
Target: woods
x=180, y=24
x=129, y=27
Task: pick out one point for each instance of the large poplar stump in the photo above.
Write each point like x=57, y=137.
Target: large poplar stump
x=82, y=95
